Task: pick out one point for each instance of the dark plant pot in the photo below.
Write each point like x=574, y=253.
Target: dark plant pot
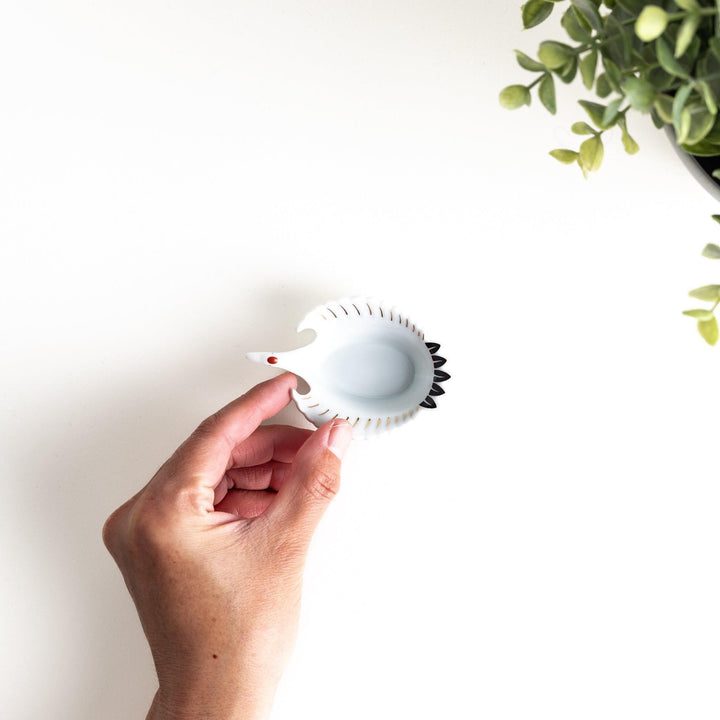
x=700, y=167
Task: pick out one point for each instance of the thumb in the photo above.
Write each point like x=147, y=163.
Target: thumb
x=314, y=481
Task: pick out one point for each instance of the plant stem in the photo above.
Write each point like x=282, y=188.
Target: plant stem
x=536, y=81
x=700, y=11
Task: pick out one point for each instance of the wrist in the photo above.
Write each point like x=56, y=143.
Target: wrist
x=209, y=706
x=217, y=689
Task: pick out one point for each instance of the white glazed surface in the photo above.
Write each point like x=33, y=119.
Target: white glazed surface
x=368, y=364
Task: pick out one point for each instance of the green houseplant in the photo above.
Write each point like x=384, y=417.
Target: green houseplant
x=660, y=58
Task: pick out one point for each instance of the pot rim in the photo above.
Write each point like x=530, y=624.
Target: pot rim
x=697, y=170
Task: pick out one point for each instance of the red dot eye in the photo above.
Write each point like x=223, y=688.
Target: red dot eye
x=272, y=360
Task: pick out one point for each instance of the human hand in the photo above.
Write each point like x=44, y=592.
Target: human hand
x=212, y=551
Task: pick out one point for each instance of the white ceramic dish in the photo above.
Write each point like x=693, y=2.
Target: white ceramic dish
x=368, y=364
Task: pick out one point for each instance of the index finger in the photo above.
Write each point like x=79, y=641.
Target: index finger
x=201, y=461
x=235, y=422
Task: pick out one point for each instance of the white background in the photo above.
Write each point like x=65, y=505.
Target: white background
x=180, y=182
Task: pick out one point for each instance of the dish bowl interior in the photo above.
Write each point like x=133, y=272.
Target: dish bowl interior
x=377, y=369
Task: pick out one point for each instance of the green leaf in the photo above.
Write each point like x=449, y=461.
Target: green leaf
x=567, y=72
x=682, y=129
x=709, y=330
x=602, y=87
x=708, y=96
x=526, y=62
x=711, y=251
x=678, y=117
x=631, y=147
x=630, y=144
x=555, y=55
x=711, y=293
x=611, y=113
x=640, y=93
x=702, y=149
x=588, y=67
x=690, y=58
x=582, y=128
x=588, y=11
x=620, y=41
x=689, y=5
x=595, y=111
x=565, y=156
x=573, y=27
x=591, y=154
x=699, y=314
x=667, y=60
x=658, y=77
x=663, y=106
x=657, y=121
x=632, y=6
x=534, y=12
x=613, y=73
x=716, y=218
x=514, y=96
x=687, y=31
x=546, y=93
x=651, y=23
x=714, y=43
x=714, y=135
x=701, y=122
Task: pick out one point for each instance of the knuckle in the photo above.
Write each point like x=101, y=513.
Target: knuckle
x=193, y=498
x=212, y=428
x=145, y=533
x=115, y=527
x=111, y=531
x=323, y=485
x=208, y=426
x=138, y=528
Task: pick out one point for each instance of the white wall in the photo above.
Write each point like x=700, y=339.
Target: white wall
x=180, y=182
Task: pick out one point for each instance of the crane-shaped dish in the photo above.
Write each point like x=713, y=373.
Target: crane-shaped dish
x=368, y=364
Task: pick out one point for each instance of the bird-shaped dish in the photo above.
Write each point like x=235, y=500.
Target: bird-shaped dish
x=368, y=364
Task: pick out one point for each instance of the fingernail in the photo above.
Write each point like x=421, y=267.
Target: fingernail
x=339, y=437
